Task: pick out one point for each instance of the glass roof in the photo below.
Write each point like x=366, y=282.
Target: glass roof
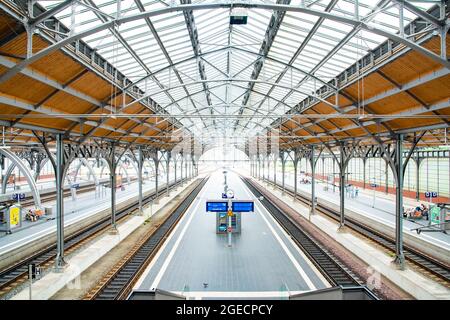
x=198, y=75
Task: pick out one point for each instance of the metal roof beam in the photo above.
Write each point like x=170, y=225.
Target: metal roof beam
x=204, y=6
x=33, y=21
x=420, y=13
x=271, y=32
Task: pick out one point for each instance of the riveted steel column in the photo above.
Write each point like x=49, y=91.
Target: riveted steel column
x=175, y=172
x=295, y=177
x=259, y=168
x=156, y=161
x=386, y=187
x=283, y=168
x=275, y=172
x=364, y=172
x=113, y=181
x=181, y=166
x=399, y=260
x=342, y=187
x=167, y=174
x=60, y=262
x=140, y=164
x=418, y=178
x=313, y=181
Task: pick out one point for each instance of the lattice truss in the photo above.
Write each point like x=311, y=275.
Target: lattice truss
x=219, y=79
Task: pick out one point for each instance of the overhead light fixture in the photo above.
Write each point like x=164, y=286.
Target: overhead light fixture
x=238, y=16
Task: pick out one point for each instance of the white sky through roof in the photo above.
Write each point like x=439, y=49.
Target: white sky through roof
x=163, y=47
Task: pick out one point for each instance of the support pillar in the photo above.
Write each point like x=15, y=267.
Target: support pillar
x=364, y=160
x=259, y=168
x=112, y=182
x=186, y=169
x=181, y=173
x=264, y=169
x=313, y=181
x=295, y=177
x=175, y=173
x=399, y=260
x=418, y=178
x=386, y=187
x=156, y=161
x=140, y=165
x=342, y=187
x=60, y=262
x=275, y=172
x=167, y=174
x=283, y=169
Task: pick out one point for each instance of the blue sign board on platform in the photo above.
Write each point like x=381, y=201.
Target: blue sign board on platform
x=216, y=206
x=75, y=186
x=243, y=206
x=431, y=194
x=17, y=196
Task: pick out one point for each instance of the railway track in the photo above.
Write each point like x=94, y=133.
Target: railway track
x=51, y=196
x=119, y=282
x=13, y=276
x=421, y=260
x=329, y=265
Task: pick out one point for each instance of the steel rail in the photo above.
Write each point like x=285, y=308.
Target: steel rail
x=420, y=259
x=328, y=264
x=118, y=285
x=10, y=277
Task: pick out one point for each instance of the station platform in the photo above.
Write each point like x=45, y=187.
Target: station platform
x=77, y=213
x=379, y=262
x=380, y=212
x=197, y=263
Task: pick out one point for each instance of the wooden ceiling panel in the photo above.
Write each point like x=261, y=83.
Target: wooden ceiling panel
x=356, y=132
x=323, y=108
x=68, y=103
x=394, y=104
x=58, y=66
x=372, y=85
x=412, y=64
x=341, y=122
x=6, y=25
x=7, y=109
x=55, y=123
x=92, y=85
x=403, y=123
x=433, y=91
x=25, y=88
x=137, y=109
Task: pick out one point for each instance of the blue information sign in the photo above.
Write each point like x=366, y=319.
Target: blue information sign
x=75, y=186
x=243, y=206
x=431, y=194
x=216, y=206
x=17, y=196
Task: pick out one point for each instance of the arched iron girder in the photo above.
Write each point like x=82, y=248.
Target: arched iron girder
x=30, y=179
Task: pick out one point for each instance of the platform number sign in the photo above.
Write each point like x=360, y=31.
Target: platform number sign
x=431, y=194
x=18, y=196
